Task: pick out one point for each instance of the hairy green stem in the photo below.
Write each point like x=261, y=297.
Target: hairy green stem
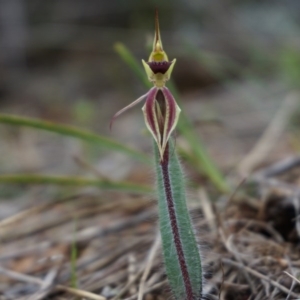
x=181, y=253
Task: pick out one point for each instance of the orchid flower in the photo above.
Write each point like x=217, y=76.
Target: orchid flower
x=161, y=111
x=180, y=250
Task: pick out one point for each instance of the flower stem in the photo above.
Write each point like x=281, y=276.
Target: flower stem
x=181, y=253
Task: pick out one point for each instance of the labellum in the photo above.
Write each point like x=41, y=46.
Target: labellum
x=161, y=114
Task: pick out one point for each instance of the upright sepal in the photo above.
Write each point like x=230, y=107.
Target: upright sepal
x=158, y=68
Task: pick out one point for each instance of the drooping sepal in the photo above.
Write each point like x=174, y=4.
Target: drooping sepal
x=126, y=108
x=161, y=114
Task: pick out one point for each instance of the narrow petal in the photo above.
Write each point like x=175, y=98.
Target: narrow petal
x=151, y=115
x=126, y=108
x=170, y=69
x=171, y=117
x=148, y=71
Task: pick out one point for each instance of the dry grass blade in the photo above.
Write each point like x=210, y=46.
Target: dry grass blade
x=128, y=285
x=207, y=209
x=293, y=277
x=80, y=293
x=229, y=245
x=40, y=282
x=270, y=136
x=261, y=276
x=148, y=290
x=149, y=264
x=46, y=287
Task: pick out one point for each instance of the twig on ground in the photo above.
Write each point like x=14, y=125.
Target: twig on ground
x=228, y=244
x=128, y=285
x=46, y=286
x=148, y=290
x=40, y=282
x=247, y=223
x=270, y=136
x=278, y=168
x=132, y=270
x=207, y=209
x=260, y=276
x=293, y=277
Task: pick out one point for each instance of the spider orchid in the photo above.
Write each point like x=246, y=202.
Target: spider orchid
x=161, y=111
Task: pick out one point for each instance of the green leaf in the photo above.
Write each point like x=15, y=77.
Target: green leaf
x=177, y=233
x=73, y=132
x=76, y=182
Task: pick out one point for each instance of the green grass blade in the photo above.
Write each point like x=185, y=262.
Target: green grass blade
x=73, y=132
x=131, y=61
x=203, y=161
x=76, y=182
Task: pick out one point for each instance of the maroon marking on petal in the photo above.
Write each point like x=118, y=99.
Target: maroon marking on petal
x=160, y=66
x=150, y=108
x=171, y=104
x=161, y=104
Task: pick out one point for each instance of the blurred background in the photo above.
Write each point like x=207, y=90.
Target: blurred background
x=237, y=62
x=237, y=75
